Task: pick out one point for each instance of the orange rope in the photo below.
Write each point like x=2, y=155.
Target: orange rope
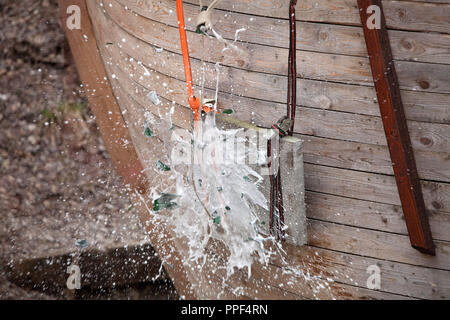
x=193, y=101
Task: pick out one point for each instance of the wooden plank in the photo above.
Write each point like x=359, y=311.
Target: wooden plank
x=419, y=106
x=371, y=187
x=316, y=122
x=423, y=140
x=413, y=46
x=312, y=282
x=433, y=166
x=375, y=244
x=436, y=193
x=396, y=129
x=350, y=211
x=426, y=137
x=317, y=146
x=370, y=158
x=436, y=203
x=347, y=40
x=364, y=213
x=160, y=234
x=311, y=65
x=367, y=184
x=100, y=97
x=403, y=15
x=369, y=214
x=325, y=151
x=398, y=278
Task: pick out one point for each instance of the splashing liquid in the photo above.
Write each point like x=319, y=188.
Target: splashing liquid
x=214, y=200
x=215, y=197
x=225, y=196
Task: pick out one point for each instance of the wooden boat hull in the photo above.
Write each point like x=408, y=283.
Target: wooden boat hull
x=355, y=220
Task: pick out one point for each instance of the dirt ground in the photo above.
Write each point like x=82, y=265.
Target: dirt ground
x=57, y=183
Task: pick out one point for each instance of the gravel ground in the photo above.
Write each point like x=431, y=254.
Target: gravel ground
x=57, y=183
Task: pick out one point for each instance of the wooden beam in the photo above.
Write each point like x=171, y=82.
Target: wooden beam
x=100, y=95
x=113, y=129
x=395, y=127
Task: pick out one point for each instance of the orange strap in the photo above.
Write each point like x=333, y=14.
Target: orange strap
x=193, y=101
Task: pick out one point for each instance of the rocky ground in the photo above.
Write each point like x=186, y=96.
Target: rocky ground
x=57, y=183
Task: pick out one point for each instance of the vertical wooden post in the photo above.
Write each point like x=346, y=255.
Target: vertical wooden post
x=113, y=128
x=395, y=126
x=100, y=95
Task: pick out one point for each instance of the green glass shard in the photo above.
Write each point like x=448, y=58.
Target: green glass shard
x=228, y=111
x=81, y=244
x=216, y=220
x=247, y=178
x=161, y=166
x=156, y=206
x=148, y=132
x=165, y=202
x=201, y=29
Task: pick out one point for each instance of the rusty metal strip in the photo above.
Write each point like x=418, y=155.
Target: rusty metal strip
x=395, y=126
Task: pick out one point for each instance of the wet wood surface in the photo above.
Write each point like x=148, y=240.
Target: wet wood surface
x=353, y=208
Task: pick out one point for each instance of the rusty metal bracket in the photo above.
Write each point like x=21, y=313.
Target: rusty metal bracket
x=395, y=126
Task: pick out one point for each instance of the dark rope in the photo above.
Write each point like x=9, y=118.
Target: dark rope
x=283, y=127
x=292, y=65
